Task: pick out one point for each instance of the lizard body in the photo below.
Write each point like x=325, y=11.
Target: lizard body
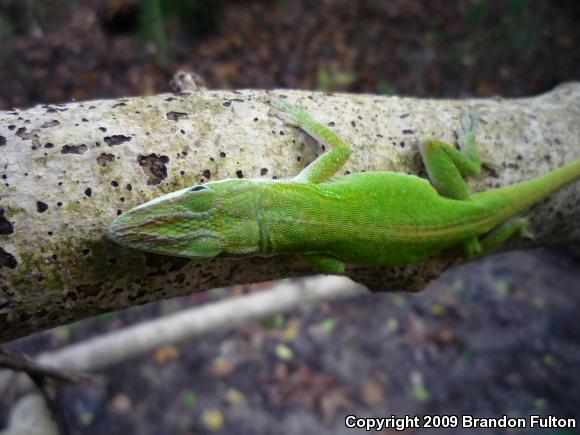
x=373, y=219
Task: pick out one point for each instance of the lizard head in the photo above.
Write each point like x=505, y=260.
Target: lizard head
x=199, y=222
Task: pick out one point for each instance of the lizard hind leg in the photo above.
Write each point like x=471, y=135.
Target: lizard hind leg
x=447, y=167
x=471, y=248
x=474, y=248
x=504, y=231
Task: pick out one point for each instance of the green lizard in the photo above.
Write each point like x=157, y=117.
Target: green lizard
x=371, y=219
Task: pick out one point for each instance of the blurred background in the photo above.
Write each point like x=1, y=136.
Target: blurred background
x=499, y=336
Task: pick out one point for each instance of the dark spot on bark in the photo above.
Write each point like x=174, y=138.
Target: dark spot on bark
x=89, y=289
x=154, y=167
x=103, y=129
x=402, y=144
x=49, y=124
x=48, y=145
x=114, y=183
x=176, y=116
x=239, y=173
x=207, y=173
x=40, y=314
x=263, y=171
x=21, y=132
x=5, y=225
x=59, y=204
x=84, y=120
x=41, y=207
x=2, y=141
x=547, y=157
x=118, y=105
x=86, y=251
x=227, y=103
x=406, y=115
x=7, y=259
x=119, y=212
x=161, y=264
x=50, y=233
x=331, y=124
x=105, y=158
x=408, y=131
x=116, y=139
x=255, y=119
x=222, y=155
x=140, y=293
x=74, y=149
x=11, y=127
x=89, y=192
x=129, y=187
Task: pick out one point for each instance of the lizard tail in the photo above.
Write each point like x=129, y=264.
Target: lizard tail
x=517, y=198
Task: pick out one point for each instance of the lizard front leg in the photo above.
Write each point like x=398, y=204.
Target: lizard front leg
x=329, y=163
x=319, y=170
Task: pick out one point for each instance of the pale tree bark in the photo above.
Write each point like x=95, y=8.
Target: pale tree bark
x=67, y=170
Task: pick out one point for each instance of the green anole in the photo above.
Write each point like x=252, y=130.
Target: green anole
x=375, y=219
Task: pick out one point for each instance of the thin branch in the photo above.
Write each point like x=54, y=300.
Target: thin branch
x=39, y=375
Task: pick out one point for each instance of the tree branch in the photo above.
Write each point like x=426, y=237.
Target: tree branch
x=68, y=170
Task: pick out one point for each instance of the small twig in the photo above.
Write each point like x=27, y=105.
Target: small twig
x=39, y=374
x=58, y=414
x=21, y=363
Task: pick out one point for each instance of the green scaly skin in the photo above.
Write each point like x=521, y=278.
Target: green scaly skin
x=375, y=219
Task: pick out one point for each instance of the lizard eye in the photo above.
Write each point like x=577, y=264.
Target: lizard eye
x=198, y=187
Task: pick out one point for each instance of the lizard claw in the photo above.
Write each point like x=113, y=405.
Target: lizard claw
x=285, y=111
x=280, y=104
x=526, y=233
x=469, y=121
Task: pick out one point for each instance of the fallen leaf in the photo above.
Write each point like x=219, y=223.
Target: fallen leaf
x=213, y=419
x=166, y=353
x=121, y=403
x=372, y=393
x=221, y=366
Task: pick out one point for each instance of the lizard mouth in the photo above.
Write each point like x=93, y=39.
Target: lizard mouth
x=177, y=234
x=119, y=230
